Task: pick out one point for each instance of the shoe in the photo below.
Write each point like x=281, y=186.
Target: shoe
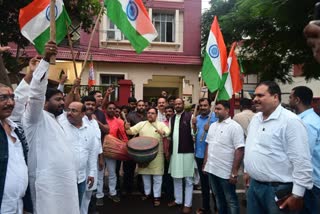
x=156, y=202
x=203, y=211
x=99, y=202
x=173, y=204
x=186, y=210
x=114, y=198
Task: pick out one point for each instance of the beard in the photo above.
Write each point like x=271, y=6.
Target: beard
x=141, y=111
x=55, y=111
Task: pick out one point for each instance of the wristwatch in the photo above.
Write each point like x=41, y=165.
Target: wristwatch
x=234, y=176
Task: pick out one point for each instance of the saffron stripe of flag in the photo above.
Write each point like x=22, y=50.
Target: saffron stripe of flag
x=34, y=20
x=215, y=59
x=231, y=82
x=91, y=79
x=131, y=17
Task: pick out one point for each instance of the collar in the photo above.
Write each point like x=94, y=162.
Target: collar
x=306, y=112
x=228, y=120
x=180, y=113
x=12, y=124
x=274, y=115
x=204, y=117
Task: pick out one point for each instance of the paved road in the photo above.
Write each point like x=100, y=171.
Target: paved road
x=134, y=205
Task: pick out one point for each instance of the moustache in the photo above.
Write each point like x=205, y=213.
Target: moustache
x=9, y=107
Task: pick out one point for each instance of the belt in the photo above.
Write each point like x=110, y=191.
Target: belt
x=274, y=184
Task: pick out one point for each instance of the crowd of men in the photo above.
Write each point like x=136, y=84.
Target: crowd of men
x=52, y=161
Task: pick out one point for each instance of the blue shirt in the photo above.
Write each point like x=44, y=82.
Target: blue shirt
x=201, y=145
x=312, y=122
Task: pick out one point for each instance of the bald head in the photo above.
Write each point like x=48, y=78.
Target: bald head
x=75, y=113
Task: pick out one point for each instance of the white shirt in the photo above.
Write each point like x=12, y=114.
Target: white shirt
x=83, y=140
x=21, y=96
x=223, y=139
x=277, y=150
x=16, y=182
x=52, y=173
x=161, y=116
x=97, y=148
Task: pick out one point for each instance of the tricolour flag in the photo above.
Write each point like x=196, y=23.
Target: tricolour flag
x=132, y=18
x=231, y=81
x=215, y=59
x=91, y=80
x=34, y=20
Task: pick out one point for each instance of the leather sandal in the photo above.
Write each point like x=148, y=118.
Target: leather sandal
x=156, y=202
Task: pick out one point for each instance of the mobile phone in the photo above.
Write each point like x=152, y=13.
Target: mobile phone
x=282, y=194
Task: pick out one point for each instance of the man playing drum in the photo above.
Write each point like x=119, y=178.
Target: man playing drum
x=151, y=128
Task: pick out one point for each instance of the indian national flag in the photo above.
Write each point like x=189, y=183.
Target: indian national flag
x=34, y=20
x=132, y=18
x=231, y=80
x=91, y=80
x=215, y=59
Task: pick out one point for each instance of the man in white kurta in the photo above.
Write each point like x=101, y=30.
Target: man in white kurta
x=52, y=174
x=182, y=157
x=83, y=138
x=90, y=103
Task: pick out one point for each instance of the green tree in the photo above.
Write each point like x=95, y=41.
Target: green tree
x=81, y=11
x=270, y=33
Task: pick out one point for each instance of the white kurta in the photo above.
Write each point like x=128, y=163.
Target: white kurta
x=52, y=174
x=83, y=140
x=16, y=182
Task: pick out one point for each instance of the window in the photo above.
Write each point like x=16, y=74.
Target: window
x=113, y=33
x=165, y=25
x=112, y=79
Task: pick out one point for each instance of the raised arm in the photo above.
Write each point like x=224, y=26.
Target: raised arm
x=38, y=86
x=106, y=97
x=73, y=94
x=22, y=91
x=63, y=79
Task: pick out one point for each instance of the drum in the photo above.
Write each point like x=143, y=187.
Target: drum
x=143, y=149
x=115, y=149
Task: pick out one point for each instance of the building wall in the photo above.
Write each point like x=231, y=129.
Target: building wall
x=192, y=27
x=142, y=74
x=187, y=43
x=314, y=85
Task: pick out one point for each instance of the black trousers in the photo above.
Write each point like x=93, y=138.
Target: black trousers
x=205, y=188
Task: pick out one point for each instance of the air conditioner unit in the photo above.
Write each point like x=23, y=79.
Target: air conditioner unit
x=110, y=34
x=117, y=35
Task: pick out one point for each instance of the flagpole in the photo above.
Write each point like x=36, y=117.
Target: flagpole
x=72, y=53
x=90, y=41
x=211, y=111
x=53, y=27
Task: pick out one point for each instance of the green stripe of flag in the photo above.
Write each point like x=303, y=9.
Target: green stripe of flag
x=120, y=19
x=61, y=32
x=210, y=74
x=223, y=94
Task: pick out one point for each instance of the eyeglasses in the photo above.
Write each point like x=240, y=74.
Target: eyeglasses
x=72, y=110
x=151, y=113
x=6, y=97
